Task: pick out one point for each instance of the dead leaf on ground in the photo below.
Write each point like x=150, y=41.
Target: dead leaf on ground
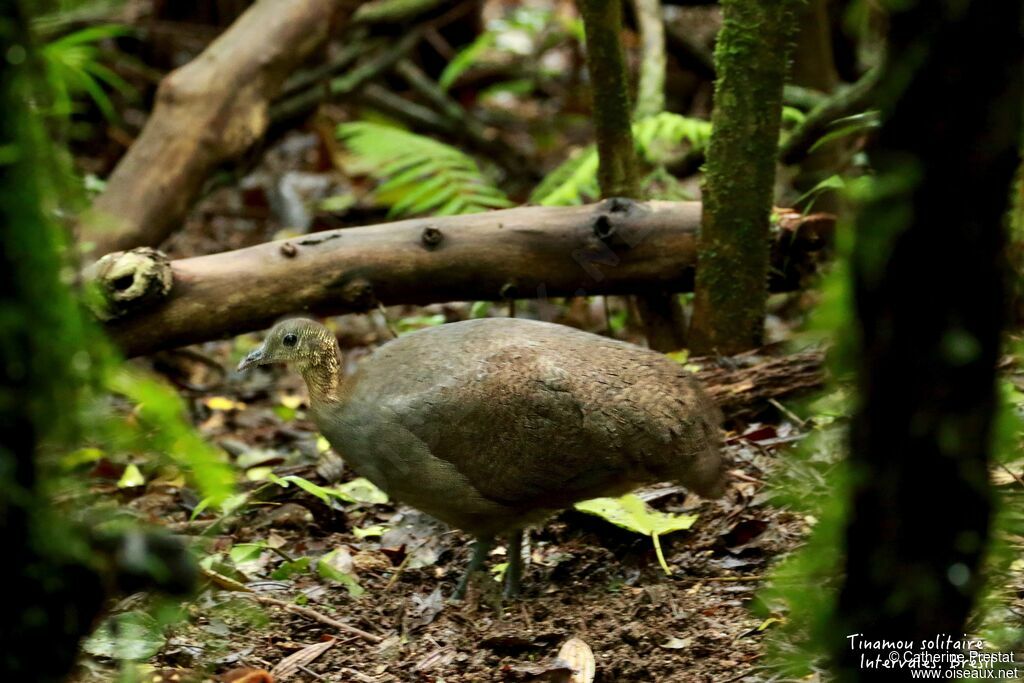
x=580, y=657
x=291, y=664
x=425, y=608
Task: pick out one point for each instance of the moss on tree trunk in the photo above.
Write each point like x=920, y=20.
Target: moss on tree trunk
x=617, y=173
x=732, y=275
x=55, y=593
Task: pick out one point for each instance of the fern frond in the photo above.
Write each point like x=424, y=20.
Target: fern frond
x=466, y=59
x=657, y=139
x=419, y=174
x=73, y=67
x=571, y=182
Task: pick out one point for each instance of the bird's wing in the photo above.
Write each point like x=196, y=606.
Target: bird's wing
x=527, y=427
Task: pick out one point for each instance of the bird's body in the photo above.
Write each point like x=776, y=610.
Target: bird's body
x=492, y=424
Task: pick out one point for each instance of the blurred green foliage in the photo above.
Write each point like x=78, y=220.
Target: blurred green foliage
x=526, y=34
x=66, y=380
x=659, y=139
x=74, y=67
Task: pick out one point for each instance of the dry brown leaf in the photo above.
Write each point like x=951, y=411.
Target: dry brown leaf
x=579, y=656
x=245, y=675
x=291, y=664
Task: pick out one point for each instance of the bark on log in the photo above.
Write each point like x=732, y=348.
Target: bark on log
x=750, y=379
x=615, y=247
x=208, y=111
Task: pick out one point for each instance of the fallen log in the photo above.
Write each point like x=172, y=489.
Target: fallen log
x=742, y=384
x=615, y=247
x=207, y=112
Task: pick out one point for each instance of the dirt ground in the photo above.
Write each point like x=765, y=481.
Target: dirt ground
x=586, y=578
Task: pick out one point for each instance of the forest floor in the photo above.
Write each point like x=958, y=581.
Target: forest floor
x=372, y=564
x=586, y=578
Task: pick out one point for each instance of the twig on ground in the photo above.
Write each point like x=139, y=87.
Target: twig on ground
x=316, y=616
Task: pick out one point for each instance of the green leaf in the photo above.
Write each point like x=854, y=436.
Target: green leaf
x=247, y=552
x=92, y=34
x=133, y=636
x=793, y=116
x=480, y=309
x=569, y=183
x=833, y=182
x=362, y=490
x=370, y=531
x=82, y=456
x=847, y=126
x=159, y=422
x=290, y=568
x=131, y=477
x=657, y=138
x=417, y=322
x=73, y=67
x=320, y=492
x=338, y=203
x=630, y=512
x=327, y=569
x=465, y=59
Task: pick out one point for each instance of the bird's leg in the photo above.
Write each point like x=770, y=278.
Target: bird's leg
x=476, y=563
x=514, y=572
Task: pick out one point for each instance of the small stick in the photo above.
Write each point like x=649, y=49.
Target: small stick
x=743, y=476
x=752, y=577
x=1013, y=474
x=312, y=673
x=401, y=566
x=317, y=616
x=788, y=413
x=387, y=323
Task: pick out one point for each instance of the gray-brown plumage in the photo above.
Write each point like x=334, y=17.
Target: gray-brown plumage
x=493, y=424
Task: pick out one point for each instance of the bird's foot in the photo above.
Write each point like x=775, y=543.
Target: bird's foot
x=514, y=572
x=476, y=562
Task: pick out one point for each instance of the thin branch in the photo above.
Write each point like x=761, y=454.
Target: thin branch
x=650, y=99
x=853, y=99
x=315, y=616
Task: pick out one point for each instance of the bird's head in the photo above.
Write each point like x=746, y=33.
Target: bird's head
x=304, y=343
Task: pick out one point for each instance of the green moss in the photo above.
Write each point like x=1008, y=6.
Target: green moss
x=732, y=277
x=617, y=174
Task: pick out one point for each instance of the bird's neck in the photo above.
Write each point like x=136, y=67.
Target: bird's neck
x=322, y=372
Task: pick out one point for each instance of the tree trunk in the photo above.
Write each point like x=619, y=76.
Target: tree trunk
x=613, y=118
x=616, y=247
x=650, y=96
x=813, y=67
x=813, y=63
x=207, y=112
x=918, y=525
x=731, y=290
x=55, y=593
x=617, y=172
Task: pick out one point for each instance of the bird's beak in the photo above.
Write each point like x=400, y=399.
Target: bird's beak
x=255, y=357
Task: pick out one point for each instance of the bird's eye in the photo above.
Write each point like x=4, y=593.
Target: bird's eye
x=290, y=340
